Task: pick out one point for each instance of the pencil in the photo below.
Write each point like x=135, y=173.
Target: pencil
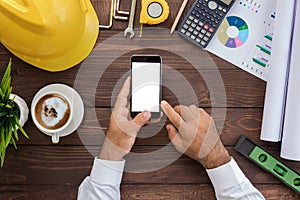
x=178, y=15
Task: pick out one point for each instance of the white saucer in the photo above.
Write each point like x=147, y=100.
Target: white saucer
x=77, y=105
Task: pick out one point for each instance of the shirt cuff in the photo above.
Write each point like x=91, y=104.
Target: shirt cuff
x=107, y=172
x=226, y=176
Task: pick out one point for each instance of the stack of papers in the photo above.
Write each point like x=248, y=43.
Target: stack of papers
x=281, y=118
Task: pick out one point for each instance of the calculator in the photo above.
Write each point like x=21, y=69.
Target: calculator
x=203, y=20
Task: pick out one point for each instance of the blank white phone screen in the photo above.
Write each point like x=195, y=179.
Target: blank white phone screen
x=145, y=86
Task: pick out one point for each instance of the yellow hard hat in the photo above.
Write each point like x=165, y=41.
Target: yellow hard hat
x=50, y=34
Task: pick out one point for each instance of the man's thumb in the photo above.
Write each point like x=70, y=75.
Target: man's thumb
x=142, y=118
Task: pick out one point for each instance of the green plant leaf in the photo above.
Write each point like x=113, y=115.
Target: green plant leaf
x=12, y=101
x=20, y=127
x=6, y=75
x=2, y=157
x=2, y=147
x=14, y=142
x=3, y=113
x=1, y=93
x=5, y=83
x=8, y=135
x=15, y=133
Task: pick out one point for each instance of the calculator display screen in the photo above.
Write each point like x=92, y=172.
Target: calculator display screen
x=227, y=2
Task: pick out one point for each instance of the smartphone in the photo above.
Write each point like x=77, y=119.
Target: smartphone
x=146, y=81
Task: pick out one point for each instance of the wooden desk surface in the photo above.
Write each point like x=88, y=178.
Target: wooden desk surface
x=41, y=170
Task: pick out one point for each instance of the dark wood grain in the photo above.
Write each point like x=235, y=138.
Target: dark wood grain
x=70, y=164
x=137, y=192
x=41, y=170
x=238, y=121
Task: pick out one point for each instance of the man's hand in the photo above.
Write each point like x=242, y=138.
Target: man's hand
x=194, y=133
x=123, y=130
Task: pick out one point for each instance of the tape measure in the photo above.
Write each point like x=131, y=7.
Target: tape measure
x=154, y=11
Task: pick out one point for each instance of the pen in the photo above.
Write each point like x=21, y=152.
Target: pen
x=264, y=49
x=178, y=16
x=259, y=62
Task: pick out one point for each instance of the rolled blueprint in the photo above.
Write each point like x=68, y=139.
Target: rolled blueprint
x=290, y=148
x=279, y=68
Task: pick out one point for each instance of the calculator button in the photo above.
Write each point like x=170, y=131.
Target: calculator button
x=185, y=26
x=191, y=17
x=203, y=43
x=195, y=32
x=203, y=31
x=182, y=30
x=205, y=26
x=220, y=8
x=198, y=40
x=200, y=35
x=201, y=23
x=211, y=30
x=196, y=21
x=188, y=34
x=193, y=37
x=205, y=39
x=212, y=5
x=193, y=25
x=208, y=34
x=224, y=10
x=191, y=29
x=188, y=22
x=198, y=28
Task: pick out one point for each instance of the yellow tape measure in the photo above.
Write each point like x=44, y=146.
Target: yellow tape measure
x=154, y=11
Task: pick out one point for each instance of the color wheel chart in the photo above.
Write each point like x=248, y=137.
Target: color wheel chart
x=245, y=36
x=233, y=32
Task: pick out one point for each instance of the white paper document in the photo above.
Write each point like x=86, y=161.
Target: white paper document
x=278, y=75
x=290, y=148
x=245, y=36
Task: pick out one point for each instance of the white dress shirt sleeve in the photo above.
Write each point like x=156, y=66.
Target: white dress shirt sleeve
x=103, y=182
x=231, y=183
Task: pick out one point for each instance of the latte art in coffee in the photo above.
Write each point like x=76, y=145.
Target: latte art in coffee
x=52, y=111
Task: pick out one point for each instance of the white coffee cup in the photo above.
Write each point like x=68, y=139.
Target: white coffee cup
x=54, y=133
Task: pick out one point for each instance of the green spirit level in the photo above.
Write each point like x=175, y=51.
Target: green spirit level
x=269, y=163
